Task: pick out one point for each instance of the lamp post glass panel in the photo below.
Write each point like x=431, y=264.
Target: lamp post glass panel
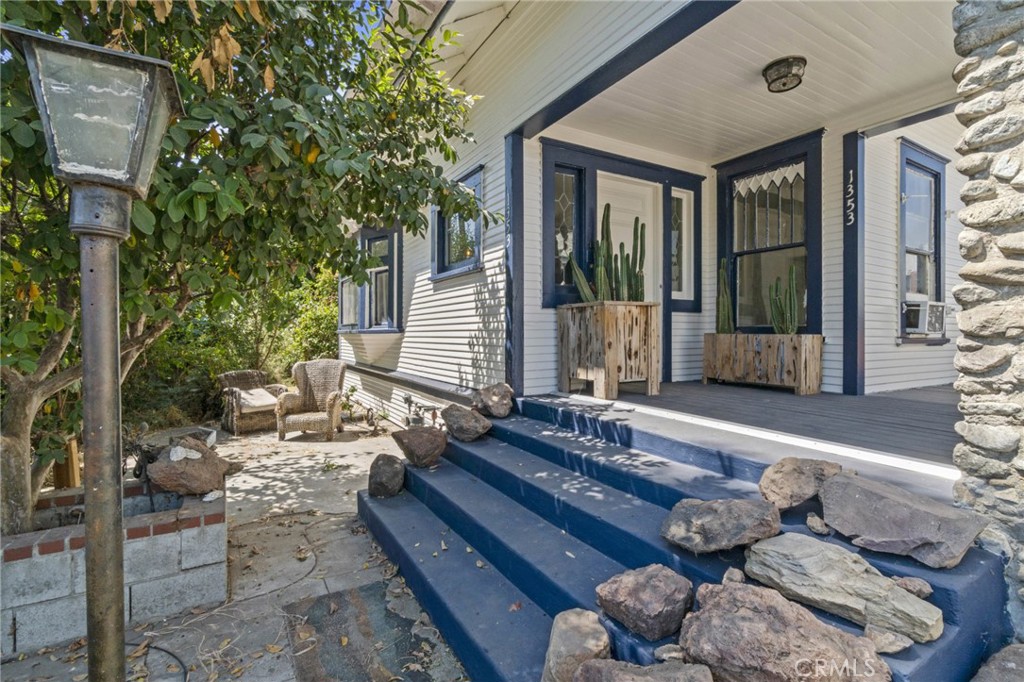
x=104, y=115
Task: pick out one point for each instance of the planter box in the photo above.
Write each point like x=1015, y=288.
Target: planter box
x=786, y=360
x=609, y=342
x=174, y=559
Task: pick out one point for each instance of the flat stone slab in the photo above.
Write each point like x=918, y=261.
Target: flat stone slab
x=651, y=601
x=838, y=581
x=617, y=671
x=716, y=525
x=794, y=480
x=885, y=518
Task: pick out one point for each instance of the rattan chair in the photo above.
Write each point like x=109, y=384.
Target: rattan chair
x=244, y=409
x=317, y=404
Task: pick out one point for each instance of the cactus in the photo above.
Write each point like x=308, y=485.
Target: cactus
x=784, y=304
x=723, y=321
x=617, y=276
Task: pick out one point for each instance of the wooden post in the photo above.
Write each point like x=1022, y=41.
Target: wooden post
x=68, y=474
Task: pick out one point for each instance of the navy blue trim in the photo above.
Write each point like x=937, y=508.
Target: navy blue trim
x=853, y=263
x=514, y=303
x=474, y=181
x=941, y=110
x=808, y=149
x=673, y=30
x=394, y=263
x=921, y=158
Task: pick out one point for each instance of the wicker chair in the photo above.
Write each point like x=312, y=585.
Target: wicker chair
x=245, y=409
x=317, y=404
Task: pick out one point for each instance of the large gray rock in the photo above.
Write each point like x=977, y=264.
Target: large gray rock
x=838, y=581
x=619, y=671
x=746, y=633
x=915, y=586
x=576, y=636
x=464, y=424
x=1006, y=666
x=711, y=526
x=495, y=400
x=794, y=480
x=650, y=601
x=195, y=470
x=387, y=475
x=421, y=445
x=886, y=518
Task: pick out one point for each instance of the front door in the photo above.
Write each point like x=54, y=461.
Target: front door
x=631, y=198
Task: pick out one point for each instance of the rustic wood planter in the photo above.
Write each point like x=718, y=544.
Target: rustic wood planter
x=609, y=342
x=786, y=360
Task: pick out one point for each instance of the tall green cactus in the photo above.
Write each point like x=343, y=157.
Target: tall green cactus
x=723, y=303
x=784, y=304
x=617, y=276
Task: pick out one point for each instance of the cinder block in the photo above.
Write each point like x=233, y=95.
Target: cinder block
x=49, y=622
x=204, y=545
x=151, y=557
x=7, y=636
x=167, y=596
x=77, y=571
x=35, y=579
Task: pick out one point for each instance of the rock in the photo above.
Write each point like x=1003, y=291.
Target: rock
x=465, y=424
x=1001, y=212
x=974, y=163
x=793, y=480
x=619, y=671
x=387, y=475
x=1006, y=665
x=993, y=318
x=960, y=71
x=189, y=475
x=985, y=33
x=746, y=633
x=1011, y=244
x=715, y=525
x=576, y=636
x=982, y=360
x=915, y=586
x=886, y=641
x=886, y=518
x=650, y=601
x=982, y=105
x=421, y=445
x=1006, y=166
x=200, y=433
x=989, y=437
x=734, y=575
x=817, y=524
x=838, y=581
x=494, y=400
x=668, y=652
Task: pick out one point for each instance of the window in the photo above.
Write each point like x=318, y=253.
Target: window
x=681, y=245
x=457, y=247
x=922, y=188
x=376, y=305
x=567, y=224
x=770, y=224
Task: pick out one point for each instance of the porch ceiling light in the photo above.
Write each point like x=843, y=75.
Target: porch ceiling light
x=104, y=113
x=784, y=74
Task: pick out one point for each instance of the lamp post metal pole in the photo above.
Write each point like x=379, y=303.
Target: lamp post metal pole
x=101, y=217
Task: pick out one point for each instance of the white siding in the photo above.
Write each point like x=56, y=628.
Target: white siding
x=890, y=366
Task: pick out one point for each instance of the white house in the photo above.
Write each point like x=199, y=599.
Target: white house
x=662, y=110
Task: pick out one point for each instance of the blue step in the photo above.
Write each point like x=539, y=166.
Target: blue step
x=471, y=606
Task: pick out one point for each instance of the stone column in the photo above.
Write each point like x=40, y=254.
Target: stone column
x=990, y=355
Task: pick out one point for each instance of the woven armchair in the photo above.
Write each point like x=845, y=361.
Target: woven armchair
x=245, y=410
x=317, y=404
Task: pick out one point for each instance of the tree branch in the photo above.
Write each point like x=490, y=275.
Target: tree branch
x=58, y=342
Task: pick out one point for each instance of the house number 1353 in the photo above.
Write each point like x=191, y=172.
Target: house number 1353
x=851, y=201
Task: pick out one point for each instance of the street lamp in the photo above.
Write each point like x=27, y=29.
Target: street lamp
x=104, y=114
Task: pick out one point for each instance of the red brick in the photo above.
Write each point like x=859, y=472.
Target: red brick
x=67, y=500
x=76, y=542
x=135, y=532
x=210, y=519
x=164, y=528
x=18, y=553
x=190, y=522
x=51, y=546
x=44, y=503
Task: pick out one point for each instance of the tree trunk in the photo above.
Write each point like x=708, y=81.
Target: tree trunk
x=16, y=489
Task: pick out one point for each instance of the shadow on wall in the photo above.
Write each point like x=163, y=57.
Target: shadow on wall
x=486, y=344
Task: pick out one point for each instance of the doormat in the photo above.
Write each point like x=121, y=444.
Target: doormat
x=352, y=636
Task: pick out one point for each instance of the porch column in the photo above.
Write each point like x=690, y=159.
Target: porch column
x=990, y=356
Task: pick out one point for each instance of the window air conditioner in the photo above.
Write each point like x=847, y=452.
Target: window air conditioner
x=924, y=317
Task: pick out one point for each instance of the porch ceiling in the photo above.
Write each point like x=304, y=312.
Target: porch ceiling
x=705, y=98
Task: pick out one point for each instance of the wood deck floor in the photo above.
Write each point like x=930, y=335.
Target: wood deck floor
x=914, y=423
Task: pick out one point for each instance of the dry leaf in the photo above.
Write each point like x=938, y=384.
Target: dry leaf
x=273, y=648
x=444, y=547
x=161, y=8
x=479, y=564
x=173, y=668
x=197, y=611
x=268, y=78
x=140, y=649
x=195, y=10
x=304, y=632
x=570, y=554
x=254, y=10
x=343, y=640
x=434, y=555
x=77, y=644
x=302, y=553
x=206, y=69
x=332, y=609
x=224, y=644
x=257, y=654
x=240, y=8
x=516, y=605
x=94, y=6
x=412, y=667
x=79, y=678
x=469, y=550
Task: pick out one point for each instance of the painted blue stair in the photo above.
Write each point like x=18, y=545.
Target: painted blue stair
x=469, y=605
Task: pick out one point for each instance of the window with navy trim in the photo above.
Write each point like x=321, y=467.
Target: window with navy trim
x=457, y=240
x=922, y=218
x=376, y=305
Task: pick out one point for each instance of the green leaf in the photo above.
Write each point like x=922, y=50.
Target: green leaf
x=23, y=135
x=175, y=211
x=170, y=239
x=142, y=217
x=254, y=140
x=280, y=103
x=199, y=208
x=203, y=186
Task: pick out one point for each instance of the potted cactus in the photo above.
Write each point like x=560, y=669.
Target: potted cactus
x=785, y=358
x=613, y=335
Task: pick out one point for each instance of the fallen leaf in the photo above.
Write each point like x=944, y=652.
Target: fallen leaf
x=332, y=609
x=469, y=550
x=273, y=648
x=343, y=640
x=304, y=632
x=444, y=547
x=516, y=605
x=224, y=644
x=173, y=668
x=570, y=554
x=434, y=555
x=302, y=553
x=79, y=678
x=77, y=644
x=140, y=649
x=479, y=564
x=412, y=667
x=257, y=654
x=197, y=611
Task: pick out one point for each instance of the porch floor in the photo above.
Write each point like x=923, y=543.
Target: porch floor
x=916, y=423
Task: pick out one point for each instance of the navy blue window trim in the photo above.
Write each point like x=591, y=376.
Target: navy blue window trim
x=514, y=285
x=441, y=268
x=921, y=159
x=806, y=148
x=853, y=263
x=393, y=263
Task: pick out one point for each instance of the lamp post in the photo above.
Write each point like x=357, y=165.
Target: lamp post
x=104, y=115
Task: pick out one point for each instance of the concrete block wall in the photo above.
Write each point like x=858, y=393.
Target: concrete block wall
x=173, y=560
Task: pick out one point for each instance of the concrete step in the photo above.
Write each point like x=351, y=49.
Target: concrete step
x=470, y=606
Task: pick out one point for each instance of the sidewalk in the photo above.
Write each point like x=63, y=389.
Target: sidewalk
x=311, y=596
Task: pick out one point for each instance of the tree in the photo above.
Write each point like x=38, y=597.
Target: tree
x=301, y=120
